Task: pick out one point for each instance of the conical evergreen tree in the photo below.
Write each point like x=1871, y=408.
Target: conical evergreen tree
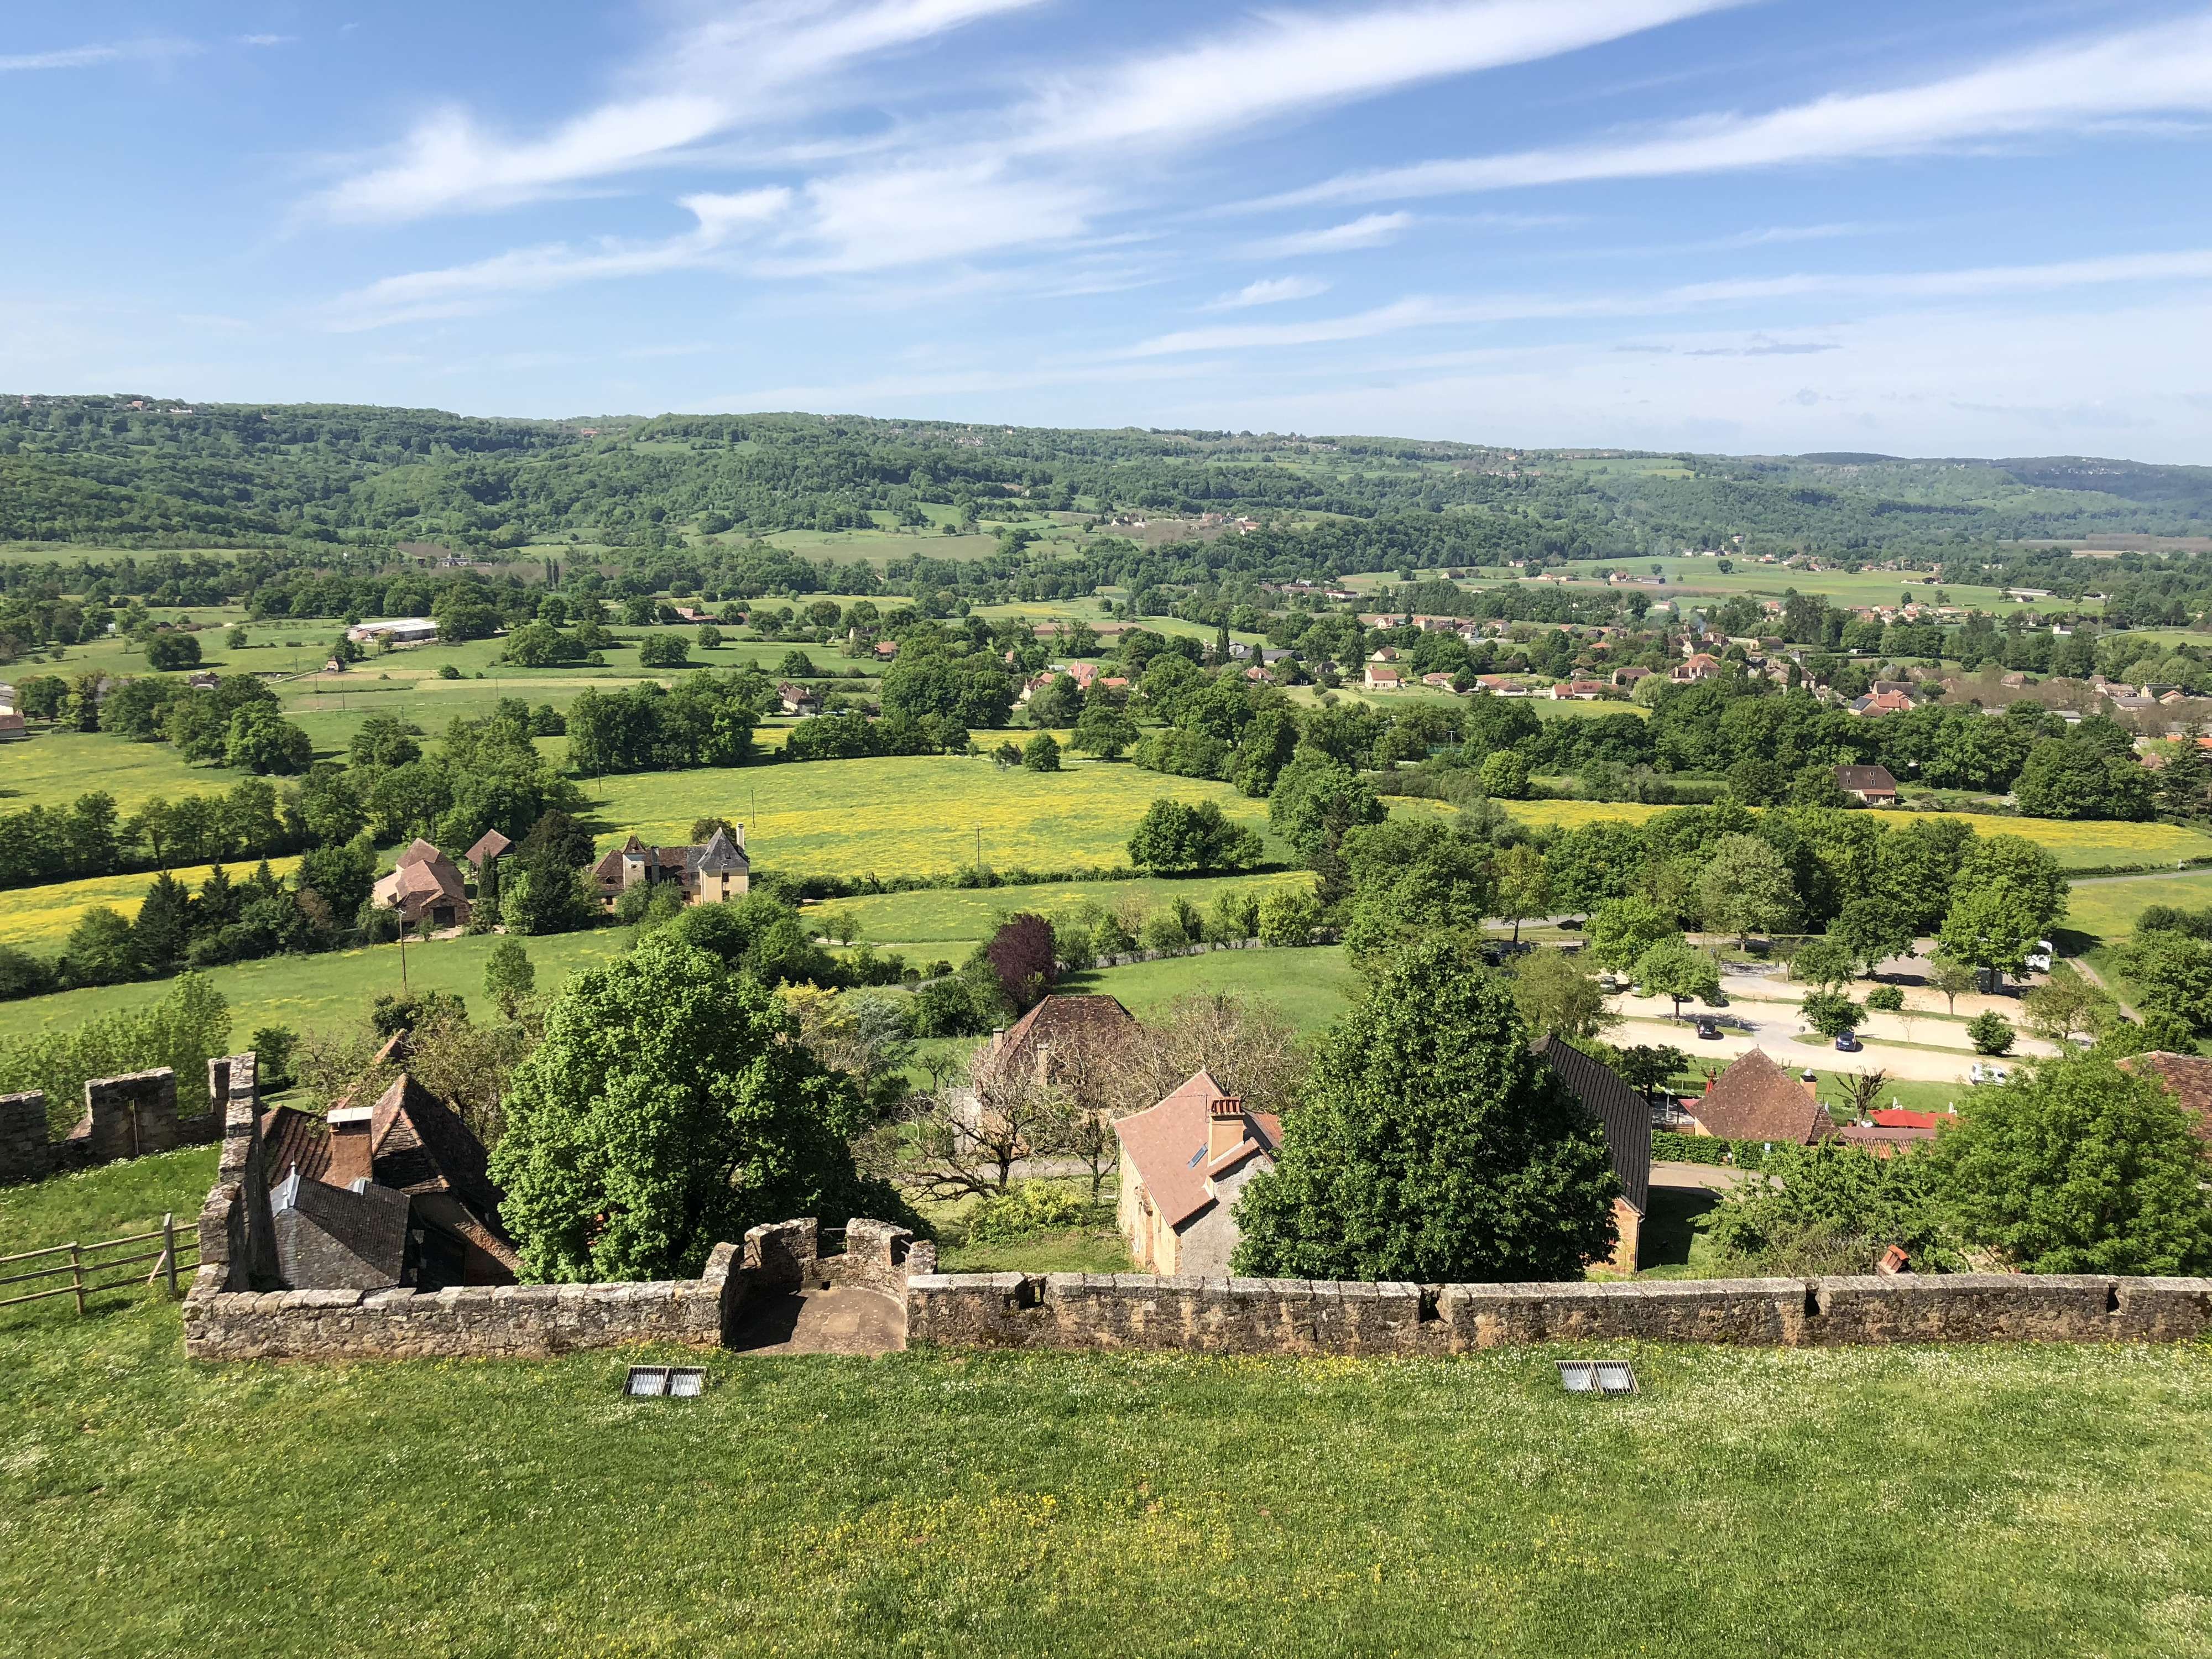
x=164, y=925
x=219, y=903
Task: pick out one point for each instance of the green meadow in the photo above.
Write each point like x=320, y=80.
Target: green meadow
x=966, y=916
x=1834, y=1503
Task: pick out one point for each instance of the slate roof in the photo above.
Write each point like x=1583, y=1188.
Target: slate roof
x=1167, y=1143
x=1756, y=1100
x=1624, y=1114
x=718, y=854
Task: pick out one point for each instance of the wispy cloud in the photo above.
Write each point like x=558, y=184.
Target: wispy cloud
x=1429, y=310
x=91, y=56
x=2075, y=85
x=1270, y=290
x=1369, y=230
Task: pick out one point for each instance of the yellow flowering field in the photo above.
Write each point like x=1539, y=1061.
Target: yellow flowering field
x=959, y=916
x=39, y=918
x=2076, y=845
x=919, y=815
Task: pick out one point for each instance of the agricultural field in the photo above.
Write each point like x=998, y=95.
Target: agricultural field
x=963, y=916
x=331, y=991
x=1957, y=1501
x=1700, y=580
x=920, y=815
x=38, y=918
x=2107, y=910
x=2076, y=845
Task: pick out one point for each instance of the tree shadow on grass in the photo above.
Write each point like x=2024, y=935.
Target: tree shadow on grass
x=1670, y=1225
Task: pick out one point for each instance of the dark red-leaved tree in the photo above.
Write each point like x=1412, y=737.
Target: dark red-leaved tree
x=1021, y=954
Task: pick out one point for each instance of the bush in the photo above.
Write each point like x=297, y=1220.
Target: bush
x=663, y=651
x=173, y=650
x=1989, y=1033
x=1041, y=753
x=1830, y=1012
x=1288, y=918
x=1885, y=999
x=1032, y=1207
x=447, y=671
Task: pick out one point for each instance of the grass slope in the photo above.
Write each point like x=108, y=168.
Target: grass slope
x=39, y=918
x=327, y=992
x=965, y=914
x=1311, y=986
x=54, y=768
x=1869, y=1502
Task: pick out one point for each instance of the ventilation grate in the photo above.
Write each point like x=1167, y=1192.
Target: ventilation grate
x=664, y=1381
x=1596, y=1376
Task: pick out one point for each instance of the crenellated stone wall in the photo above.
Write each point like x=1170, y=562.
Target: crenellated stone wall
x=128, y=1116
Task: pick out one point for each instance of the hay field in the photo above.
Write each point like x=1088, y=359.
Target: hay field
x=910, y=815
x=55, y=768
x=962, y=916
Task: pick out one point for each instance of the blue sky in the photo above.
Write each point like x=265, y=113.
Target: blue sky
x=1963, y=229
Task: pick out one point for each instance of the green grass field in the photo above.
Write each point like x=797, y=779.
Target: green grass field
x=39, y=918
x=942, y=915
x=1311, y=986
x=1863, y=1503
x=329, y=992
x=54, y=768
x=2108, y=910
x=909, y=816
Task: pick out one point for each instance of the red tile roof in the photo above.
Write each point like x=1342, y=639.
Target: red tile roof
x=1756, y=1100
x=2187, y=1078
x=1167, y=1143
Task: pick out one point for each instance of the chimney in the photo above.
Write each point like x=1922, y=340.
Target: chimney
x=349, y=1159
x=1224, y=1126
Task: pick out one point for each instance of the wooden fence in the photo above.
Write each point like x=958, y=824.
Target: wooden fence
x=87, y=1262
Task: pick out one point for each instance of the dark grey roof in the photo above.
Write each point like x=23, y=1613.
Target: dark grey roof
x=1624, y=1115
x=720, y=854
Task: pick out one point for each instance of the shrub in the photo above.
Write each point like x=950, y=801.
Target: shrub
x=1032, y=1207
x=1885, y=999
x=1991, y=1033
x=447, y=671
x=1830, y=1012
x=663, y=651
x=1042, y=753
x=1288, y=918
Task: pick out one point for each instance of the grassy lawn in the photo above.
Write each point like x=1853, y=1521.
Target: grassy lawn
x=1089, y=1249
x=2108, y=910
x=332, y=991
x=54, y=768
x=1872, y=1502
x=1311, y=986
x=909, y=815
x=2075, y=846
x=960, y=916
x=39, y=918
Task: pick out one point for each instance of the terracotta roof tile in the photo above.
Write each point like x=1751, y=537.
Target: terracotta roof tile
x=1756, y=1100
x=1167, y=1143
x=2187, y=1078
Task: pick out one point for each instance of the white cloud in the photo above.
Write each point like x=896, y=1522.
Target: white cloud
x=1270, y=290
x=1427, y=311
x=2077, y=85
x=88, y=57
x=1369, y=230
x=733, y=71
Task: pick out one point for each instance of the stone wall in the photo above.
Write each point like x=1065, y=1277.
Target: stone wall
x=515, y=1322
x=130, y=1115
x=877, y=1257
x=1259, y=1315
x=27, y=1151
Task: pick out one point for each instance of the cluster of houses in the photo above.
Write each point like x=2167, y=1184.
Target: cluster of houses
x=428, y=892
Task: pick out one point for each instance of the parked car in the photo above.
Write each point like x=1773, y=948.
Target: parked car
x=2038, y=959
x=1979, y=1072
x=1708, y=1030
x=1848, y=1042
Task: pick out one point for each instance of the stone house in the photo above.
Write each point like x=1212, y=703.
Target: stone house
x=425, y=887
x=1183, y=1163
x=1702, y=666
x=1756, y=1100
x=719, y=870
x=2187, y=1078
x=799, y=699
x=489, y=845
x=399, y=1193
x=1381, y=677
x=1625, y=1118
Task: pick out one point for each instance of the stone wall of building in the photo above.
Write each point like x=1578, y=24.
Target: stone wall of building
x=877, y=1257
x=1266, y=1316
x=130, y=1115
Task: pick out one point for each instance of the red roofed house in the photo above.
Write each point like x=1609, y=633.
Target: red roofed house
x=1579, y=690
x=489, y=845
x=1702, y=666
x=425, y=887
x=1872, y=784
x=1886, y=702
x=1184, y=1161
x=1756, y=1100
x=1381, y=677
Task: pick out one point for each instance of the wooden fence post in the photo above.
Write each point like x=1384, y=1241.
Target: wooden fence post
x=76, y=1276
x=169, y=1249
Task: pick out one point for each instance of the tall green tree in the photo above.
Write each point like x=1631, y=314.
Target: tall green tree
x=1746, y=887
x=1672, y=969
x=2079, y=1167
x=670, y=1108
x=1428, y=1144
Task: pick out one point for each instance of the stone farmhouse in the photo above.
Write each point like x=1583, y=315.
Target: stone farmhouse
x=719, y=869
x=371, y=1197
x=425, y=887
